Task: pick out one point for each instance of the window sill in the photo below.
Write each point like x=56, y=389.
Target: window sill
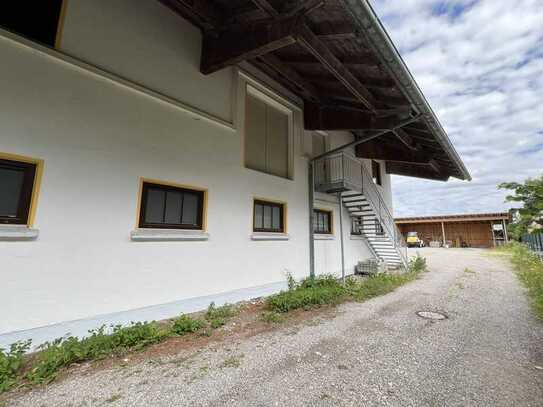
x=17, y=233
x=167, y=235
x=323, y=236
x=269, y=236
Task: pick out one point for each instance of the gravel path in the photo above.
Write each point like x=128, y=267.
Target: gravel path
x=489, y=352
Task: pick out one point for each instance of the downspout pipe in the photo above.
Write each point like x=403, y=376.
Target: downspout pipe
x=311, y=181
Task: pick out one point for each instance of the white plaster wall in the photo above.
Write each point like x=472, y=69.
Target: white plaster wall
x=147, y=43
x=328, y=252
x=97, y=138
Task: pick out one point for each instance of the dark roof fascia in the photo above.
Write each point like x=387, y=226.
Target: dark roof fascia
x=455, y=218
x=375, y=34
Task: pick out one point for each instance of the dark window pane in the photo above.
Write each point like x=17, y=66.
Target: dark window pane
x=267, y=217
x=259, y=216
x=174, y=201
x=154, y=208
x=276, y=224
x=326, y=223
x=11, y=184
x=190, y=209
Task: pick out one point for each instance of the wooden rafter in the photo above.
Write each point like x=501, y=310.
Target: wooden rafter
x=307, y=89
x=199, y=11
x=319, y=117
x=302, y=7
x=235, y=46
x=265, y=6
x=378, y=150
x=366, y=60
x=310, y=41
x=407, y=140
x=410, y=170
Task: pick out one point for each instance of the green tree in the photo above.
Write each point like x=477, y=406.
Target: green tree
x=530, y=215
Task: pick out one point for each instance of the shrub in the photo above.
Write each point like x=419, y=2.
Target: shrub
x=380, y=284
x=66, y=351
x=218, y=316
x=309, y=293
x=11, y=364
x=273, y=317
x=291, y=282
x=327, y=289
x=185, y=324
x=417, y=264
x=529, y=269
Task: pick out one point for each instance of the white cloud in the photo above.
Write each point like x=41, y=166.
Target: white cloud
x=480, y=64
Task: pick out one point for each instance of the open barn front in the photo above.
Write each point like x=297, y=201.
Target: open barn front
x=478, y=230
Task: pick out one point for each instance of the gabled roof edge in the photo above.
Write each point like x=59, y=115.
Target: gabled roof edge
x=365, y=17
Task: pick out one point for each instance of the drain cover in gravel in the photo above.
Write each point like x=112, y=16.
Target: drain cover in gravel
x=431, y=315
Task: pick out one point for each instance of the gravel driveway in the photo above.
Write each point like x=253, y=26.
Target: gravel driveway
x=489, y=352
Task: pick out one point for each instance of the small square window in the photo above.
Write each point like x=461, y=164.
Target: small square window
x=169, y=207
x=356, y=225
x=376, y=172
x=322, y=221
x=16, y=186
x=268, y=217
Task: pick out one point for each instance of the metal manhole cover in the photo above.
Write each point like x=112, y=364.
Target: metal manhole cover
x=431, y=315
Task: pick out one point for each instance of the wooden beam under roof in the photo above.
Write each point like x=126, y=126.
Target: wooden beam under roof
x=318, y=117
x=310, y=41
x=199, y=11
x=407, y=140
x=378, y=150
x=300, y=7
x=232, y=47
x=265, y=6
x=288, y=74
x=367, y=60
x=410, y=170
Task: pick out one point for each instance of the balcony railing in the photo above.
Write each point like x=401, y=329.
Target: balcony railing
x=343, y=172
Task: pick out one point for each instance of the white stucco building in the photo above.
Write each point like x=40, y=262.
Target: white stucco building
x=135, y=187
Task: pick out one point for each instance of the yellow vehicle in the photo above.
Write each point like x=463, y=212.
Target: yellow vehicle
x=413, y=240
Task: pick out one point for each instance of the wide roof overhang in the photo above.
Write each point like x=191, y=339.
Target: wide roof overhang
x=338, y=58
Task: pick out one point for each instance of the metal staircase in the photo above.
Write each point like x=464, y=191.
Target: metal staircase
x=346, y=176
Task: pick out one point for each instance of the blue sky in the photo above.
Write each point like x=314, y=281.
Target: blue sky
x=480, y=65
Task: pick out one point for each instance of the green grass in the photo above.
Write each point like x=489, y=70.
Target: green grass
x=53, y=356
x=11, y=363
x=324, y=290
x=18, y=370
x=273, y=317
x=62, y=352
x=113, y=398
x=218, y=316
x=529, y=270
x=184, y=325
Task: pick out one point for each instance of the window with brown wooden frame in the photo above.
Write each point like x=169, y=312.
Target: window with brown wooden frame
x=356, y=226
x=170, y=207
x=268, y=217
x=376, y=172
x=16, y=186
x=322, y=221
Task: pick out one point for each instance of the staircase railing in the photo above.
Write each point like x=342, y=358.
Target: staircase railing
x=375, y=199
x=344, y=170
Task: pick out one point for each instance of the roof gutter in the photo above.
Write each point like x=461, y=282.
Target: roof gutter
x=372, y=29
